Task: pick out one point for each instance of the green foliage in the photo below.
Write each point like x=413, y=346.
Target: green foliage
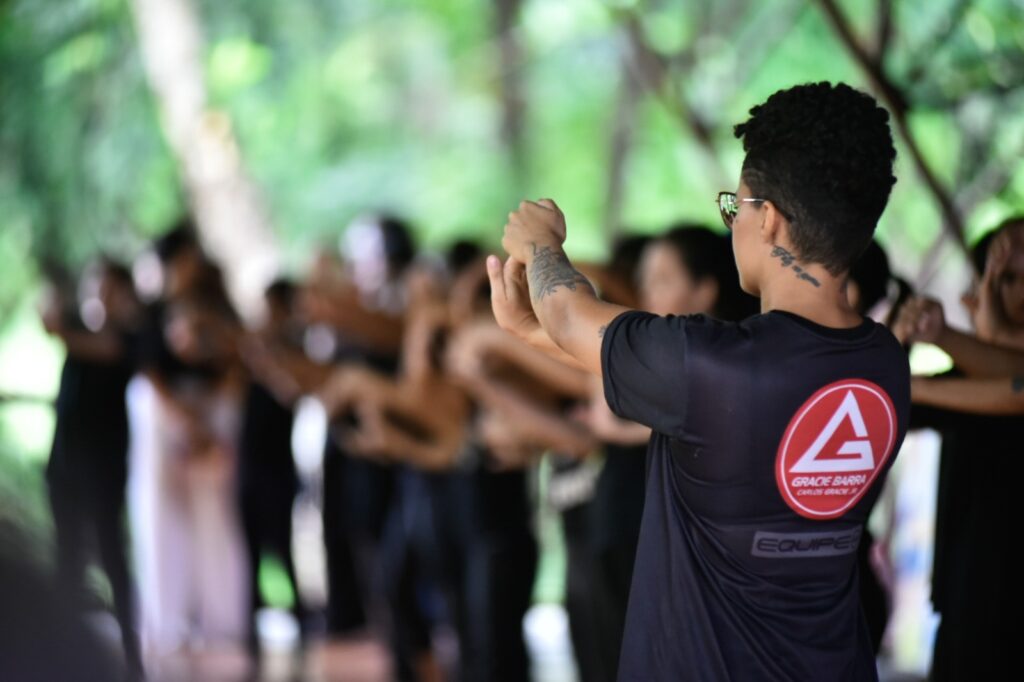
x=341, y=108
x=83, y=164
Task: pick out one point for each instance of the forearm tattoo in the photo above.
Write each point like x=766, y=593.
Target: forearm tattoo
x=1017, y=384
x=789, y=261
x=551, y=269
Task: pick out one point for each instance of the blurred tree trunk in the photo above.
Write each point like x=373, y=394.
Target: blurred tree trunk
x=630, y=90
x=233, y=223
x=513, y=102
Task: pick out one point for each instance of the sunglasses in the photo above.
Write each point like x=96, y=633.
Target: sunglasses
x=729, y=206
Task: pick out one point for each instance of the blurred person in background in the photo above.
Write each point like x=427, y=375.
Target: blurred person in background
x=362, y=301
x=464, y=521
x=412, y=421
x=978, y=409
x=186, y=422
x=267, y=478
x=526, y=401
x=88, y=466
x=481, y=504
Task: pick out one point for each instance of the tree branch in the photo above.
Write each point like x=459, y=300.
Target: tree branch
x=897, y=103
x=621, y=141
x=652, y=70
x=513, y=102
x=883, y=30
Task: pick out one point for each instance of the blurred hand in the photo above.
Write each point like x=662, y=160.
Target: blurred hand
x=463, y=358
x=505, y=444
x=341, y=389
x=371, y=438
x=533, y=224
x=598, y=417
x=989, y=312
x=920, y=319
x=510, y=297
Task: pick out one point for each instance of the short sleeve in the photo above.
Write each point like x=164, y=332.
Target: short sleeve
x=644, y=360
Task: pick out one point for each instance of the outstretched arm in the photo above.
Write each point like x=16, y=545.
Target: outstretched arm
x=1003, y=396
x=566, y=306
x=922, y=319
x=475, y=344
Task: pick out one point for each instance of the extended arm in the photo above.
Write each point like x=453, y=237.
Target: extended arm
x=102, y=346
x=377, y=436
x=483, y=340
x=1003, y=396
x=980, y=359
x=535, y=424
x=922, y=319
x=99, y=346
x=342, y=308
x=566, y=306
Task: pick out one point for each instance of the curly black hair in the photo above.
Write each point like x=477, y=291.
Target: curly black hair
x=823, y=154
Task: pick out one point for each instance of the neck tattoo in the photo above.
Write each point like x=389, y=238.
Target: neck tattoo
x=789, y=261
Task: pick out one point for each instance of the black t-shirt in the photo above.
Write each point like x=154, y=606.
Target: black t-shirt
x=91, y=433
x=771, y=438
x=619, y=497
x=266, y=464
x=973, y=569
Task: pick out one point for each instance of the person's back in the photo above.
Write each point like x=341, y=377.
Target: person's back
x=771, y=439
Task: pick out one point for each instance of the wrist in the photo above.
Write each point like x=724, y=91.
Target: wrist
x=542, y=245
x=943, y=338
x=919, y=389
x=535, y=336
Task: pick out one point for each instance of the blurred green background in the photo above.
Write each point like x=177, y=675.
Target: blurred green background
x=448, y=112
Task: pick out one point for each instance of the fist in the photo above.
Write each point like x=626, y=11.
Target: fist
x=533, y=224
x=920, y=319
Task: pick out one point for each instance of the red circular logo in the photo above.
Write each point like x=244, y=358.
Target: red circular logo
x=834, y=447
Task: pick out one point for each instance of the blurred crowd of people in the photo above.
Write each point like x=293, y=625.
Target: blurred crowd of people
x=174, y=410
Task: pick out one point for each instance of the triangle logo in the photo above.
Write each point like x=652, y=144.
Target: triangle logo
x=837, y=443
x=863, y=458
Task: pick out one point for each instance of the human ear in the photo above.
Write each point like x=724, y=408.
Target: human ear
x=771, y=222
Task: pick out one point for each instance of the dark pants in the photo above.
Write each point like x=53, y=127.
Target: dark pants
x=266, y=509
x=975, y=636
x=84, y=504
x=410, y=569
x=613, y=574
x=343, y=528
x=585, y=598
x=873, y=598
x=489, y=558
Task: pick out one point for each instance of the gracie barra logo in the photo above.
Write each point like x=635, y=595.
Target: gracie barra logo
x=834, y=447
